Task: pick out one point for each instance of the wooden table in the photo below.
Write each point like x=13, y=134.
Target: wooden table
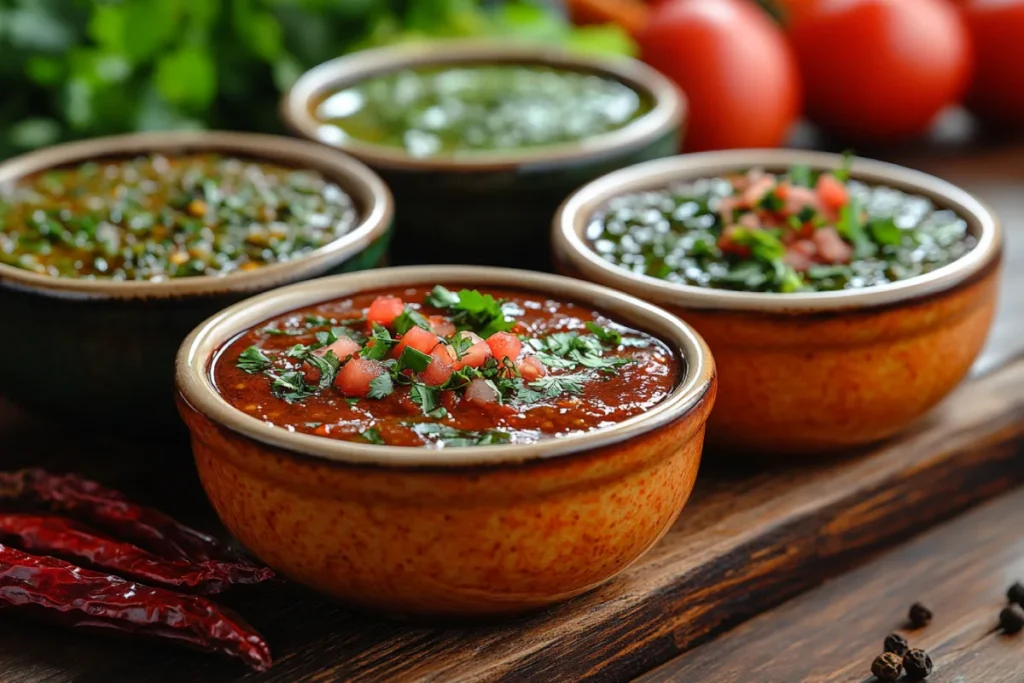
x=735, y=591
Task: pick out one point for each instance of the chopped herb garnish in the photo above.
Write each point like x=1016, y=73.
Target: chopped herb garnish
x=425, y=397
x=414, y=360
x=381, y=344
x=373, y=436
x=555, y=385
x=605, y=334
x=327, y=364
x=252, y=361
x=288, y=331
x=459, y=438
x=471, y=310
x=439, y=297
x=409, y=319
x=291, y=387
x=381, y=386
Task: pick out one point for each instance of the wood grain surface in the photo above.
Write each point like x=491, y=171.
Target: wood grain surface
x=960, y=570
x=753, y=536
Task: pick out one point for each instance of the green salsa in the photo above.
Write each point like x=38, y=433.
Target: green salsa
x=761, y=232
x=478, y=108
x=159, y=217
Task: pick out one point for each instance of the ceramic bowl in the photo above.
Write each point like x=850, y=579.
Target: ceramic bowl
x=822, y=371
x=459, y=531
x=488, y=208
x=103, y=351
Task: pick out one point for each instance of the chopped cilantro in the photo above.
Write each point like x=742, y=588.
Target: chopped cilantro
x=381, y=386
x=289, y=331
x=451, y=437
x=471, y=310
x=414, y=360
x=409, y=319
x=800, y=175
x=328, y=365
x=843, y=172
x=382, y=343
x=440, y=297
x=252, y=361
x=851, y=226
x=886, y=232
x=291, y=387
x=373, y=436
x=317, y=321
x=556, y=385
x=425, y=397
x=605, y=334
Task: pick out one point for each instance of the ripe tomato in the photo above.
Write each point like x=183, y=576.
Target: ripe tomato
x=880, y=69
x=996, y=93
x=734, y=66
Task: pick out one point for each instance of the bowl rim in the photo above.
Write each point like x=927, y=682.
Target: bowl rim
x=199, y=350
x=358, y=180
x=666, y=115
x=571, y=219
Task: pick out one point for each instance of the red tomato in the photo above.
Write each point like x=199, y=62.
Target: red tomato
x=479, y=391
x=531, y=368
x=342, y=348
x=996, y=92
x=441, y=326
x=832, y=194
x=384, y=310
x=475, y=355
x=440, y=368
x=504, y=345
x=880, y=69
x=419, y=339
x=355, y=376
x=733, y=64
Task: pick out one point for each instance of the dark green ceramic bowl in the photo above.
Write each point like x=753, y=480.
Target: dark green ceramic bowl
x=491, y=208
x=103, y=351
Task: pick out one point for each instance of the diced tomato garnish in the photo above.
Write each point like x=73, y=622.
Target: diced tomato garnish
x=831, y=247
x=798, y=199
x=726, y=243
x=757, y=190
x=441, y=326
x=831, y=192
x=726, y=207
x=384, y=310
x=419, y=339
x=476, y=355
x=531, y=368
x=342, y=348
x=801, y=255
x=355, y=376
x=749, y=221
x=440, y=368
x=504, y=345
x=480, y=392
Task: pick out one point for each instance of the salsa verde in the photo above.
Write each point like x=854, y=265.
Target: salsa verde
x=453, y=109
x=439, y=367
x=158, y=217
x=794, y=232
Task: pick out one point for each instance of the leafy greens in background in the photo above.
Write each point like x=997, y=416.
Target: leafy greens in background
x=81, y=68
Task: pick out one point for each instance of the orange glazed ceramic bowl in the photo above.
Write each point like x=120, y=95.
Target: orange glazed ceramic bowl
x=448, y=532
x=811, y=372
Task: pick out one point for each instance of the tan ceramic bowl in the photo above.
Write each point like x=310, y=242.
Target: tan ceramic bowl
x=457, y=532
x=109, y=346
x=822, y=371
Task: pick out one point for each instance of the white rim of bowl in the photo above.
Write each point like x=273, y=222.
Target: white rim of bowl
x=666, y=114
x=368, y=191
x=572, y=217
x=198, y=352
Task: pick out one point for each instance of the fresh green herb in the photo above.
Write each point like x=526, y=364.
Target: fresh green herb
x=772, y=201
x=409, y=319
x=843, y=172
x=252, y=361
x=312, y=425
x=382, y=343
x=317, y=321
x=373, y=436
x=451, y=437
x=328, y=366
x=291, y=387
x=442, y=298
x=605, y=334
x=556, y=385
x=297, y=351
x=354, y=401
x=886, y=232
x=414, y=360
x=288, y=331
x=800, y=175
x=471, y=310
x=381, y=386
x=461, y=343
x=425, y=397
x=851, y=226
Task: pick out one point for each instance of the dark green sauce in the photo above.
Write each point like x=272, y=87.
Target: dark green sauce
x=156, y=217
x=478, y=108
x=704, y=234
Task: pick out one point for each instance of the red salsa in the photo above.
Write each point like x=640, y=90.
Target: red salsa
x=442, y=367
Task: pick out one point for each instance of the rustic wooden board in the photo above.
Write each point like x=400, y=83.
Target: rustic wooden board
x=752, y=537
x=960, y=570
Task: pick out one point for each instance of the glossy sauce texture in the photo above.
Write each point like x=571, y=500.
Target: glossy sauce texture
x=443, y=110
x=605, y=399
x=159, y=217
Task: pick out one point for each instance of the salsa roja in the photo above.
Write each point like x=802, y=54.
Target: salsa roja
x=445, y=367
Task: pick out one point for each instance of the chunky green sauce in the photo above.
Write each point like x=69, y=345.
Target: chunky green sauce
x=156, y=217
x=445, y=110
x=780, y=236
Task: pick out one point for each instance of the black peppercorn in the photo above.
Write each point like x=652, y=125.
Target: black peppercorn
x=1011, y=619
x=887, y=666
x=920, y=616
x=918, y=665
x=896, y=644
x=1016, y=593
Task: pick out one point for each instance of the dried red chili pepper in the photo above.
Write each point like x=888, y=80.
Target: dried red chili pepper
x=44, y=587
x=50, y=535
x=111, y=511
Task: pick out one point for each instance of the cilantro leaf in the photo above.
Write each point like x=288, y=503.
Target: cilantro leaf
x=450, y=437
x=327, y=364
x=317, y=321
x=382, y=343
x=373, y=436
x=851, y=226
x=524, y=394
x=409, y=319
x=291, y=387
x=274, y=331
x=440, y=297
x=297, y=351
x=325, y=338
x=886, y=232
x=800, y=175
x=605, y=334
x=252, y=361
x=381, y=386
x=556, y=385
x=425, y=397
x=843, y=172
x=412, y=359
